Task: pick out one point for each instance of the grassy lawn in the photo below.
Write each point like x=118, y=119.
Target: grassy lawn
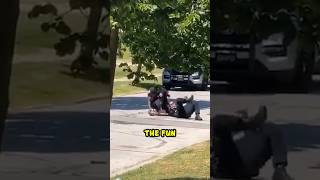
x=125, y=87
x=29, y=35
x=121, y=74
x=49, y=82
x=36, y=83
x=189, y=163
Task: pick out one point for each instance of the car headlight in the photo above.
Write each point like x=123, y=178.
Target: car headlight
x=275, y=51
x=195, y=75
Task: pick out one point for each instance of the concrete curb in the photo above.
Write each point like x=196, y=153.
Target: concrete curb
x=43, y=106
x=80, y=101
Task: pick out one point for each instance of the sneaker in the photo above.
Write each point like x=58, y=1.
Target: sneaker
x=189, y=99
x=198, y=117
x=280, y=173
x=259, y=118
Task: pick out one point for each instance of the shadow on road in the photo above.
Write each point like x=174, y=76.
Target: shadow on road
x=95, y=74
x=57, y=132
x=140, y=103
x=316, y=167
x=301, y=136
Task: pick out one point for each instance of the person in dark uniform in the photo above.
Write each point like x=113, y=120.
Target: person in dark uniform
x=242, y=144
x=159, y=104
x=158, y=99
x=184, y=108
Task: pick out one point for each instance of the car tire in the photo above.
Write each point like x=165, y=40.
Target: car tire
x=303, y=78
x=167, y=87
x=204, y=85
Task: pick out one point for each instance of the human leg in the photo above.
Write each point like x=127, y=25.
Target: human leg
x=257, y=146
x=192, y=106
x=254, y=149
x=277, y=142
x=232, y=157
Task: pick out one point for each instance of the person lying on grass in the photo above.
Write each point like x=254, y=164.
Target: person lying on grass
x=160, y=105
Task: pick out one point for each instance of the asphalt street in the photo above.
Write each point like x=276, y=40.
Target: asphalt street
x=64, y=142
x=35, y=141
x=297, y=114
x=71, y=142
x=129, y=146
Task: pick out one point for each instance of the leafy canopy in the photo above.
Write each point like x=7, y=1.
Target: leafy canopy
x=166, y=33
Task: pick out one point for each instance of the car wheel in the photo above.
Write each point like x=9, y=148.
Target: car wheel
x=167, y=87
x=204, y=85
x=303, y=79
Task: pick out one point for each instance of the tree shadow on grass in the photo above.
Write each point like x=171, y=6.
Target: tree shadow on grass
x=147, y=86
x=100, y=74
x=57, y=132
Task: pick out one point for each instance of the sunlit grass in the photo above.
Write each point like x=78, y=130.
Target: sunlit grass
x=189, y=163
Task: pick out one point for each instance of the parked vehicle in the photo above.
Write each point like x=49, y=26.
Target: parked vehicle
x=241, y=57
x=173, y=78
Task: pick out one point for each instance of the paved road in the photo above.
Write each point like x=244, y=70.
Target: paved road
x=70, y=142
x=129, y=146
x=65, y=142
x=297, y=114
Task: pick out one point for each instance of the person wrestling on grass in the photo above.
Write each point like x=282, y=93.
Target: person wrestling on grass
x=160, y=105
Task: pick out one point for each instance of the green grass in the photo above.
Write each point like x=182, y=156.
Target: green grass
x=190, y=163
x=30, y=37
x=37, y=83
x=121, y=74
x=49, y=83
x=125, y=87
x=126, y=54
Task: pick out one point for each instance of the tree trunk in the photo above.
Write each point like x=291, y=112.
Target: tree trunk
x=89, y=46
x=138, y=74
x=114, y=43
x=9, y=12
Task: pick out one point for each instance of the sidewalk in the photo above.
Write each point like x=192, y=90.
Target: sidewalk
x=131, y=149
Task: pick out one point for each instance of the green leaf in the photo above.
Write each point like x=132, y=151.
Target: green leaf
x=45, y=27
x=63, y=28
x=49, y=9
